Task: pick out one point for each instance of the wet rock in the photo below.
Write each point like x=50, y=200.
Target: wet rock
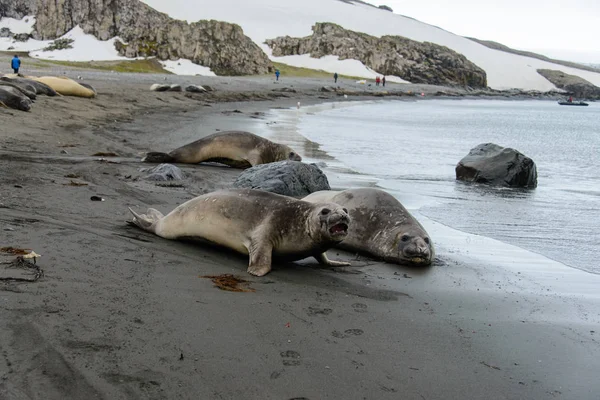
x=289, y=178
x=157, y=87
x=495, y=165
x=165, y=172
x=195, y=89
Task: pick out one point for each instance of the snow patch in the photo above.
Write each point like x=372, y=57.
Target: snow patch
x=85, y=48
x=186, y=67
x=268, y=19
x=24, y=25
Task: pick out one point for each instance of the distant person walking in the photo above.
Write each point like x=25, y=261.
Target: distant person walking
x=15, y=64
x=383, y=81
x=377, y=80
x=335, y=76
x=277, y=73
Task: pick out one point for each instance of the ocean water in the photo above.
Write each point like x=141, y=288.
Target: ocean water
x=411, y=148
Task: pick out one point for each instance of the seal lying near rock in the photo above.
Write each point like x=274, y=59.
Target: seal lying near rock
x=65, y=86
x=238, y=149
x=40, y=88
x=381, y=226
x=261, y=224
x=13, y=98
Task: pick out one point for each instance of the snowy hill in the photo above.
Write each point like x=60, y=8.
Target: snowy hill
x=268, y=19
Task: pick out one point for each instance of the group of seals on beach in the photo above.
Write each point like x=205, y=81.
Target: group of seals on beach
x=265, y=225
x=19, y=91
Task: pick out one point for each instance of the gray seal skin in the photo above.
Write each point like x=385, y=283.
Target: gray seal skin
x=40, y=88
x=381, y=226
x=237, y=149
x=13, y=98
x=26, y=89
x=260, y=224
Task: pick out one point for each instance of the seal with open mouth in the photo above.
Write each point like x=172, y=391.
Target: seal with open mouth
x=261, y=224
x=381, y=226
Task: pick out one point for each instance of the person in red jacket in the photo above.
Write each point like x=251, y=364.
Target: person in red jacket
x=377, y=80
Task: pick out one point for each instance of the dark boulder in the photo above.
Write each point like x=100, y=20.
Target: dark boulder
x=499, y=166
x=289, y=178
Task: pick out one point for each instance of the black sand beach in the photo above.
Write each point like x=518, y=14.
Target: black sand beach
x=122, y=314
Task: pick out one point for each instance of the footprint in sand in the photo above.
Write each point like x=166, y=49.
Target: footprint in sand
x=312, y=311
x=359, y=307
x=347, y=333
x=290, y=358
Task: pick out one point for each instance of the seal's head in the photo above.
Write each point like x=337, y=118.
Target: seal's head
x=333, y=221
x=293, y=156
x=414, y=248
x=25, y=105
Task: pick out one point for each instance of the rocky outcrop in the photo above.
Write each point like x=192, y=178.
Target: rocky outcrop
x=145, y=32
x=498, y=166
x=17, y=8
x=413, y=61
x=574, y=85
x=289, y=178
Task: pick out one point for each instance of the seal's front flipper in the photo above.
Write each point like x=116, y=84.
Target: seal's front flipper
x=260, y=258
x=158, y=157
x=322, y=259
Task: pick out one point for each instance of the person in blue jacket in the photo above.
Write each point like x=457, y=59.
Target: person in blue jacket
x=16, y=64
x=277, y=74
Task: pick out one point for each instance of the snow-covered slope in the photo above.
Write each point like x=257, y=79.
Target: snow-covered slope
x=267, y=19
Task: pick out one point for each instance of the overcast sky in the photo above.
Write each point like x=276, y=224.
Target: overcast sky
x=566, y=29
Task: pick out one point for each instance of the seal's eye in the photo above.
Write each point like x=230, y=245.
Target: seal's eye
x=325, y=211
x=292, y=155
x=426, y=240
x=405, y=238
x=345, y=210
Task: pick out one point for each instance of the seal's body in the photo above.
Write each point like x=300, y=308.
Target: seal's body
x=40, y=88
x=238, y=149
x=381, y=226
x=260, y=224
x=13, y=98
x=65, y=86
x=27, y=90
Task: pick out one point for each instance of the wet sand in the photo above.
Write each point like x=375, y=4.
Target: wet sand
x=123, y=314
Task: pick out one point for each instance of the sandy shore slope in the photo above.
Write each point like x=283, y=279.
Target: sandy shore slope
x=122, y=314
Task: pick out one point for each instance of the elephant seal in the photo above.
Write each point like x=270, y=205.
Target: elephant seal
x=66, y=86
x=381, y=226
x=27, y=90
x=238, y=149
x=39, y=87
x=13, y=98
x=260, y=224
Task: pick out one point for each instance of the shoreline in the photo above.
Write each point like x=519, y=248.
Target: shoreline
x=124, y=314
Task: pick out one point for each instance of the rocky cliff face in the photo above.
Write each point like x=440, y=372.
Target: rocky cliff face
x=575, y=85
x=221, y=46
x=17, y=8
x=413, y=61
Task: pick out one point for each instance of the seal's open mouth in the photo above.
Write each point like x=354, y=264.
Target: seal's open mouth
x=338, y=228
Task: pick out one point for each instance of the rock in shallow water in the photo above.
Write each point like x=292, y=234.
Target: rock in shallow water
x=495, y=165
x=289, y=178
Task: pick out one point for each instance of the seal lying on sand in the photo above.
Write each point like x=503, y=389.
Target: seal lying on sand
x=65, y=86
x=381, y=226
x=27, y=90
x=40, y=88
x=13, y=98
x=260, y=224
x=238, y=149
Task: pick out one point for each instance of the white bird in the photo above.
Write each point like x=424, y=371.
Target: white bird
x=298, y=104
